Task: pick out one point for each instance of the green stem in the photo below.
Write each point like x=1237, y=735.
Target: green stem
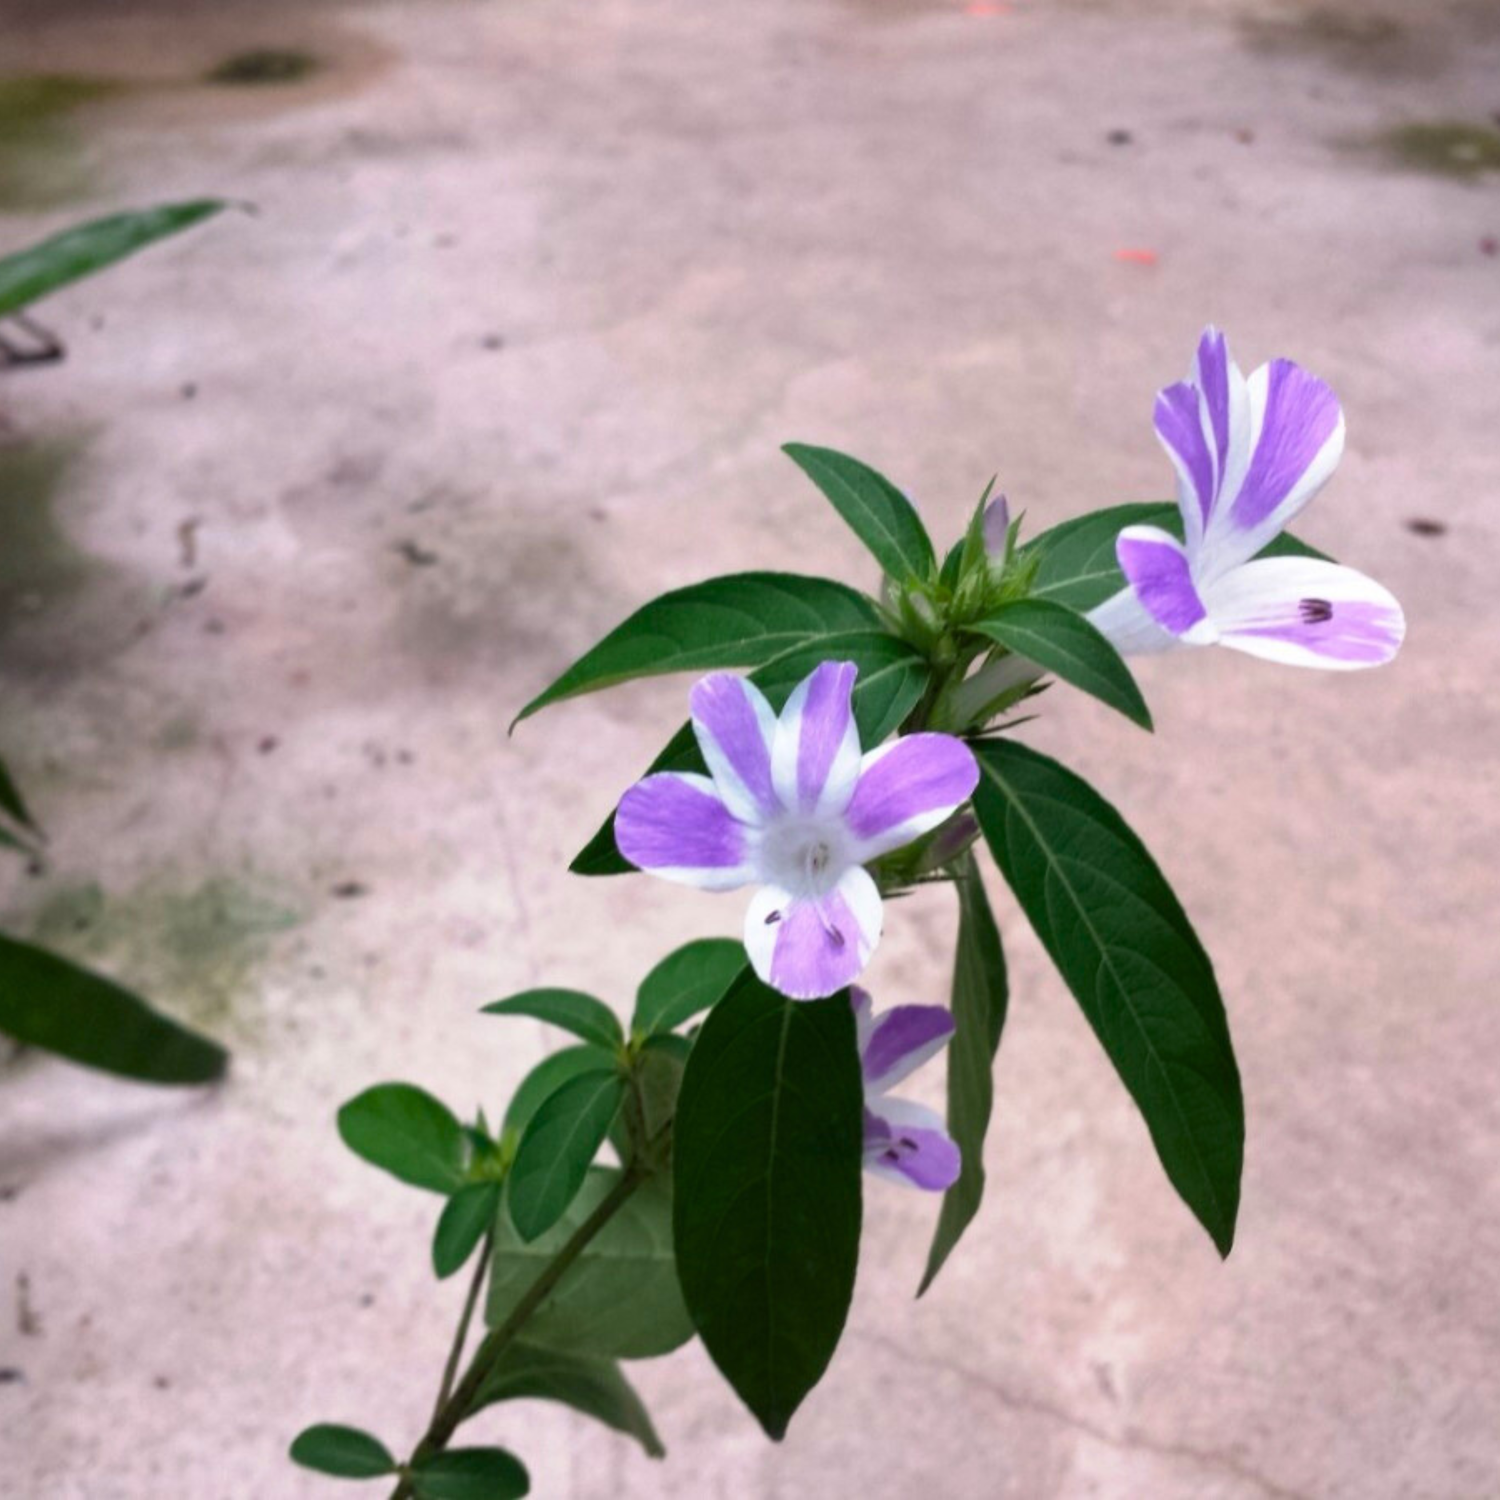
x=452, y=1411
x=450, y=1370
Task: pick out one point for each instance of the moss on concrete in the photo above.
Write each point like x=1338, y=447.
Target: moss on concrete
x=42, y=157
x=1450, y=148
x=39, y=564
x=265, y=65
x=192, y=950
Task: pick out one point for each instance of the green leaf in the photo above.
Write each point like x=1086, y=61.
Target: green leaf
x=1076, y=563
x=1066, y=644
x=405, y=1131
x=766, y=1163
x=658, y=1075
x=471, y=1474
x=620, y=1299
x=892, y=678
x=344, y=1452
x=742, y=620
x=462, y=1224
x=46, y=1001
x=1118, y=936
x=596, y=1387
x=981, y=993
x=559, y=1143
x=686, y=982
x=11, y=803
x=875, y=510
x=572, y=1010
x=78, y=252
x=547, y=1077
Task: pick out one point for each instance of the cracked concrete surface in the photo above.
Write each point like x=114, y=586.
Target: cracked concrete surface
x=531, y=295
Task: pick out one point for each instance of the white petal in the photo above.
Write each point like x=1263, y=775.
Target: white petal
x=1304, y=612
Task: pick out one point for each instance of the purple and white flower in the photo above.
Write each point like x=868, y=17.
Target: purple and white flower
x=792, y=805
x=1249, y=454
x=904, y=1142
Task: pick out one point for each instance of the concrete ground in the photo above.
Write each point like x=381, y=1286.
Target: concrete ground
x=531, y=295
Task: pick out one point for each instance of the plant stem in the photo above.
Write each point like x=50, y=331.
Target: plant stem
x=455, y=1408
x=450, y=1370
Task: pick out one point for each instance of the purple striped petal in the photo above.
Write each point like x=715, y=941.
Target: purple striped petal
x=734, y=726
x=907, y=1143
x=1155, y=565
x=1308, y=613
x=906, y=788
x=1123, y=621
x=810, y=946
x=1211, y=376
x=816, y=757
x=675, y=825
x=1179, y=425
x=1290, y=446
x=901, y=1040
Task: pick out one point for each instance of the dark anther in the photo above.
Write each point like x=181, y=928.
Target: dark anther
x=1315, y=611
x=773, y=919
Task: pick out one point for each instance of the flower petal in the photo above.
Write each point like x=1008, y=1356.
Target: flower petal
x=816, y=755
x=907, y=1143
x=864, y=1014
x=1293, y=443
x=675, y=825
x=1306, y=613
x=735, y=727
x=906, y=788
x=1178, y=420
x=1123, y=621
x=1156, y=566
x=901, y=1040
x=810, y=946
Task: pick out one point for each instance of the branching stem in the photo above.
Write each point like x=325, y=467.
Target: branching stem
x=456, y=1407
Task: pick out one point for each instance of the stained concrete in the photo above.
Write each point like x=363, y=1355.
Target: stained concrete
x=530, y=296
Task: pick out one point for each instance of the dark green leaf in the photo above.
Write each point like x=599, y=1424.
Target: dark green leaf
x=344, y=1452
x=405, y=1131
x=1120, y=939
x=743, y=620
x=572, y=1010
x=596, y=1387
x=11, y=803
x=686, y=982
x=547, y=1077
x=559, y=1143
x=471, y=1474
x=620, y=1299
x=45, y=1001
x=1076, y=562
x=767, y=1154
x=875, y=510
x=86, y=248
x=892, y=678
x=980, y=997
x=462, y=1224
x=1066, y=644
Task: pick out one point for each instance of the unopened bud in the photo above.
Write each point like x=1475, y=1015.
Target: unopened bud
x=996, y=527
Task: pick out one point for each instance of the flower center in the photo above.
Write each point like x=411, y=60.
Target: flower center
x=803, y=856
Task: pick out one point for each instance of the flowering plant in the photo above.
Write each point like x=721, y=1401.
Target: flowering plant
x=868, y=749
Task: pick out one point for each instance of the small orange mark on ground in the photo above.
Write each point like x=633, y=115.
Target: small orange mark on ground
x=1136, y=256
x=987, y=8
